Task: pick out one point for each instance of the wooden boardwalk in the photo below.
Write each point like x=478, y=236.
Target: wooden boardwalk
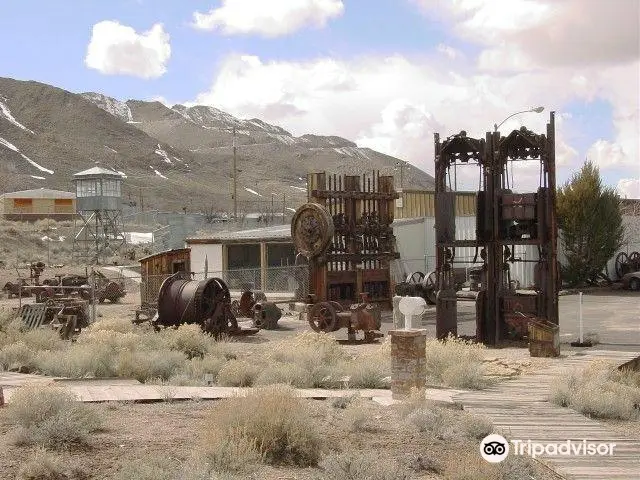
x=520, y=410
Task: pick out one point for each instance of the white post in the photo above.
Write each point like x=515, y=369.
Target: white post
x=580, y=314
x=93, y=296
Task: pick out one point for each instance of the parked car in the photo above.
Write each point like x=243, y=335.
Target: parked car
x=631, y=281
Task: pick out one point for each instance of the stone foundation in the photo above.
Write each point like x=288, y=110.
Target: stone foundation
x=408, y=361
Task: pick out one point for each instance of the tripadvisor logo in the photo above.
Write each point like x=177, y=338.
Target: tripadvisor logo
x=494, y=448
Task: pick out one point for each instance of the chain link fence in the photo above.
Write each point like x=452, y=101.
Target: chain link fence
x=291, y=282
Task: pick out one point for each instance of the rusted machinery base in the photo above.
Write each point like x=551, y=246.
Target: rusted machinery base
x=242, y=332
x=331, y=316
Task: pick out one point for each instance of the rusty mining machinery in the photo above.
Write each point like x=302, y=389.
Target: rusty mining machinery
x=505, y=221
x=345, y=233
x=207, y=303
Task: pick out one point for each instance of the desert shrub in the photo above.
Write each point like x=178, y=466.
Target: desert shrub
x=600, y=390
x=455, y=363
x=468, y=465
x=237, y=453
x=78, y=361
x=284, y=373
x=238, y=373
x=272, y=417
x=192, y=371
x=358, y=419
x=43, y=339
x=16, y=356
x=145, y=365
x=50, y=416
x=43, y=465
x=450, y=422
x=111, y=339
x=367, y=371
x=188, y=339
x=120, y=325
x=152, y=468
x=343, y=402
x=316, y=353
x=360, y=466
x=445, y=423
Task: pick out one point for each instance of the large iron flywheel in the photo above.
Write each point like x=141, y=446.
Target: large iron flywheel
x=311, y=229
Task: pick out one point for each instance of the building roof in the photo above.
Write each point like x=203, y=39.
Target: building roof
x=163, y=253
x=39, y=193
x=273, y=232
x=92, y=172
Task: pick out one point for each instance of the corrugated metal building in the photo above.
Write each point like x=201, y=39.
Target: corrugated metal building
x=420, y=203
x=30, y=205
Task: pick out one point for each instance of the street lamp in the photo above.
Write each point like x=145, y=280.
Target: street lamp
x=536, y=110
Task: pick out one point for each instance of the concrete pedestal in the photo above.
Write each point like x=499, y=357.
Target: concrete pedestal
x=408, y=361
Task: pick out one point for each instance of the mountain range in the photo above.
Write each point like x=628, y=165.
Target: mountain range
x=171, y=158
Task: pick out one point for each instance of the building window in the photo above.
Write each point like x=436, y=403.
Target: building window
x=23, y=205
x=87, y=188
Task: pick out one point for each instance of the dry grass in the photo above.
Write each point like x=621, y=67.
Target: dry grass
x=43, y=465
x=456, y=363
x=152, y=468
x=600, y=391
x=269, y=424
x=238, y=373
x=51, y=417
x=469, y=465
x=361, y=466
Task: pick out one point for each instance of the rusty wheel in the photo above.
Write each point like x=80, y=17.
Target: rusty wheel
x=634, y=260
x=235, y=308
x=415, y=277
x=337, y=306
x=622, y=259
x=430, y=285
x=322, y=317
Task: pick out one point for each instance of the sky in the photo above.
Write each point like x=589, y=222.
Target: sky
x=386, y=74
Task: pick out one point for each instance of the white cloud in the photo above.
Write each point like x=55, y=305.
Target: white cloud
x=545, y=32
x=116, y=49
x=449, y=51
x=391, y=104
x=269, y=19
x=629, y=187
x=394, y=104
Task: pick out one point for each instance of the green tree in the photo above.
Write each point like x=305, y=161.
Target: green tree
x=590, y=221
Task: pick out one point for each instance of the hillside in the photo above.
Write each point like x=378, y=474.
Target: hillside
x=174, y=158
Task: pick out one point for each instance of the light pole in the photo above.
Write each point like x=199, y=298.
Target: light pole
x=235, y=179
x=536, y=110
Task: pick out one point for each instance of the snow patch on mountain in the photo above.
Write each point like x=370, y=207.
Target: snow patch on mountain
x=110, y=105
x=162, y=153
x=11, y=146
x=110, y=149
x=157, y=172
x=252, y=191
x=6, y=113
x=37, y=177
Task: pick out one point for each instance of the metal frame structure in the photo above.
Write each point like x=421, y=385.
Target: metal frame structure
x=504, y=220
x=347, y=224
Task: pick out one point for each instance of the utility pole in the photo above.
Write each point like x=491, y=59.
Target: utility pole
x=235, y=183
x=284, y=206
x=401, y=164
